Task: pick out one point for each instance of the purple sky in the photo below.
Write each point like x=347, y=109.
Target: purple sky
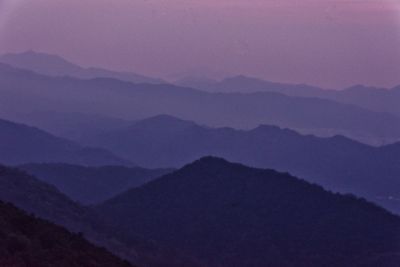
x=332, y=43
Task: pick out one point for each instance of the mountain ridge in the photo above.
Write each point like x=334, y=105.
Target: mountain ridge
x=338, y=163
x=128, y=101
x=55, y=65
x=233, y=215
x=21, y=143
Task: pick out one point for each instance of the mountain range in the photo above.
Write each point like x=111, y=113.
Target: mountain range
x=338, y=163
x=75, y=137
x=20, y=144
x=129, y=101
x=373, y=98
x=221, y=214
x=232, y=215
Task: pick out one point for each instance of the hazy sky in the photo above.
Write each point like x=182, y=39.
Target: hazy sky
x=333, y=43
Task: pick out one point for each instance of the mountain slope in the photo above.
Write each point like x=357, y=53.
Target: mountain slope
x=27, y=241
x=72, y=126
x=337, y=163
x=108, y=97
x=92, y=185
x=45, y=201
x=21, y=144
x=233, y=215
x=53, y=65
x=378, y=99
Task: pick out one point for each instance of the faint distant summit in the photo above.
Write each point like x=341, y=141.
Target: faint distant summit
x=54, y=65
x=42, y=63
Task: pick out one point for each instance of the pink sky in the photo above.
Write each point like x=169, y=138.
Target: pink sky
x=332, y=43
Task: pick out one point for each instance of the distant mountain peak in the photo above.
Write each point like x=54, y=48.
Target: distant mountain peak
x=55, y=65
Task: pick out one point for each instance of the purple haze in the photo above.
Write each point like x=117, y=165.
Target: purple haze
x=327, y=43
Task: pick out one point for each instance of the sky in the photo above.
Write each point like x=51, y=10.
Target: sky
x=329, y=43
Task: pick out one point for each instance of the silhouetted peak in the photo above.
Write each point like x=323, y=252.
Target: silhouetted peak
x=210, y=160
x=211, y=165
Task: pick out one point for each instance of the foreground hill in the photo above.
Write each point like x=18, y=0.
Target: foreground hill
x=27, y=241
x=337, y=163
x=24, y=92
x=21, y=144
x=45, y=201
x=92, y=185
x=54, y=65
x=232, y=215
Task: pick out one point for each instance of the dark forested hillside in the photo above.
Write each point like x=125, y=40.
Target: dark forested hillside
x=337, y=163
x=45, y=201
x=92, y=185
x=21, y=144
x=233, y=215
x=27, y=241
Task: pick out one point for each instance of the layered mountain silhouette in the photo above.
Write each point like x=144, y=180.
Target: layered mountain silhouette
x=54, y=65
x=338, y=163
x=378, y=99
x=92, y=185
x=232, y=215
x=21, y=144
x=45, y=201
x=27, y=241
x=373, y=98
x=73, y=126
x=124, y=100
